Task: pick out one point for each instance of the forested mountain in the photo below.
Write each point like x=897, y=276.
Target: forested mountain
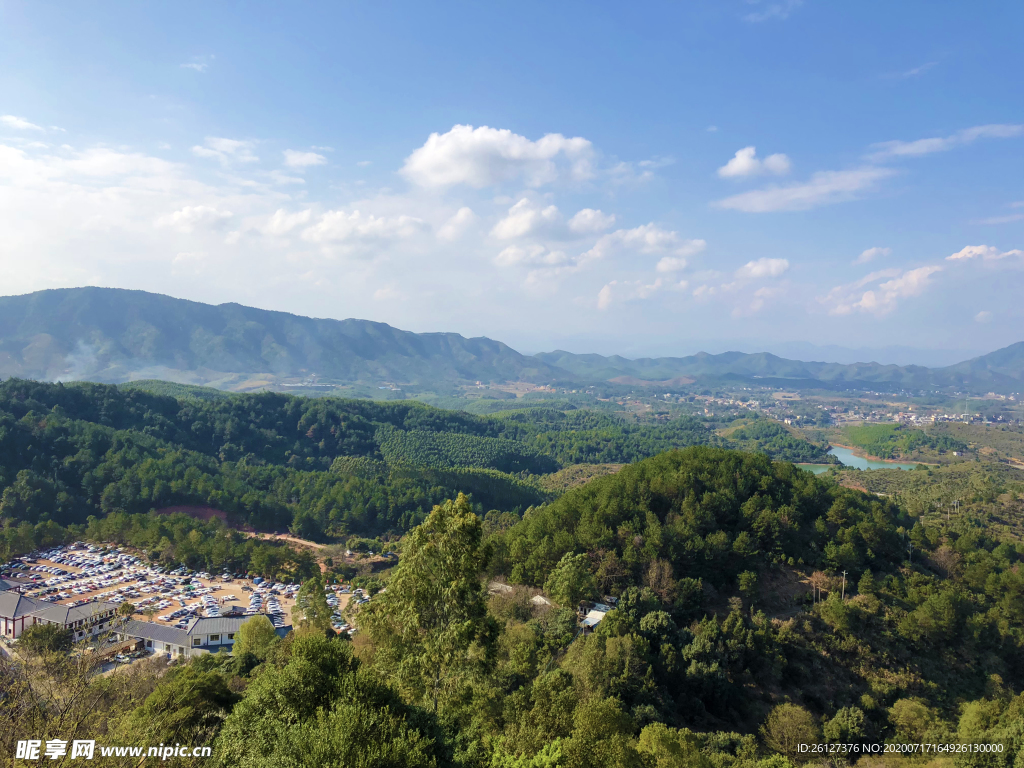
x=1000, y=369
x=112, y=335
x=715, y=654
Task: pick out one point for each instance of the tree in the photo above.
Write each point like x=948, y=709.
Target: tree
x=430, y=627
x=42, y=639
x=787, y=727
x=187, y=706
x=912, y=719
x=126, y=610
x=311, y=608
x=255, y=636
x=671, y=747
x=571, y=581
x=867, y=584
x=847, y=726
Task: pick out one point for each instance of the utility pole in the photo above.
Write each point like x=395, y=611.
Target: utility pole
x=844, y=585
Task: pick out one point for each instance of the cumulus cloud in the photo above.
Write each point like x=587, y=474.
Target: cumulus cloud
x=283, y=222
x=823, y=188
x=457, y=225
x=296, y=159
x=524, y=218
x=892, y=149
x=226, y=150
x=627, y=290
x=870, y=254
x=484, y=156
x=983, y=317
x=343, y=227
x=516, y=255
x=983, y=253
x=883, y=298
x=19, y=123
x=191, y=217
x=646, y=239
x=746, y=163
x=590, y=221
x=762, y=268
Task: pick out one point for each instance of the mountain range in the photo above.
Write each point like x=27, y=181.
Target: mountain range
x=114, y=335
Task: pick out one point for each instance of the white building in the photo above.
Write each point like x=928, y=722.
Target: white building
x=18, y=612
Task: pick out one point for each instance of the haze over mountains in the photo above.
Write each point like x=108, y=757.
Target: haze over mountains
x=114, y=335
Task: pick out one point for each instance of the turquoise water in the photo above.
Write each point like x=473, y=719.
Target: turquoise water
x=849, y=459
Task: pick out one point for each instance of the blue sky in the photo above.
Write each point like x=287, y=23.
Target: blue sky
x=651, y=178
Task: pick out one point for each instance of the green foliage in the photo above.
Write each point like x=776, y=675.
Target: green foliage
x=322, y=708
x=430, y=627
x=42, y=639
x=893, y=441
x=787, y=727
x=773, y=438
x=571, y=581
x=708, y=512
x=256, y=636
x=311, y=609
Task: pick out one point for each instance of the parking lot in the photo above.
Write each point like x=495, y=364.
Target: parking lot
x=79, y=573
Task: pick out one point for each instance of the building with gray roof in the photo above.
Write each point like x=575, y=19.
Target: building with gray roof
x=202, y=635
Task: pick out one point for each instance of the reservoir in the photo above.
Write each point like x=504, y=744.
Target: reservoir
x=849, y=459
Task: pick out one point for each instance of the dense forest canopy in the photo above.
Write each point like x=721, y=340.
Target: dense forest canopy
x=325, y=468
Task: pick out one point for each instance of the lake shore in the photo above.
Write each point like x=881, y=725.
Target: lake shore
x=861, y=454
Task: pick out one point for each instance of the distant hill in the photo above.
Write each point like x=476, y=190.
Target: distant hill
x=1000, y=370
x=112, y=335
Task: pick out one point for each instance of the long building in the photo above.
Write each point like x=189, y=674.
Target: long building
x=18, y=612
x=202, y=635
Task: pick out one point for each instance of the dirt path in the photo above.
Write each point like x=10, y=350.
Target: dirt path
x=286, y=537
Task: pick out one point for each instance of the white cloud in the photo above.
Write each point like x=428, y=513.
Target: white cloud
x=884, y=297
x=590, y=221
x=20, y=123
x=524, y=218
x=772, y=10
x=193, y=216
x=757, y=270
x=364, y=163
x=983, y=317
x=671, y=264
x=746, y=163
x=456, y=226
x=226, y=150
x=484, y=156
x=823, y=188
x=983, y=252
x=627, y=290
x=516, y=255
x=342, y=227
x=647, y=239
x=295, y=159
x=870, y=254
x=712, y=129
x=890, y=149
x=282, y=222
x=387, y=293
x=198, y=63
